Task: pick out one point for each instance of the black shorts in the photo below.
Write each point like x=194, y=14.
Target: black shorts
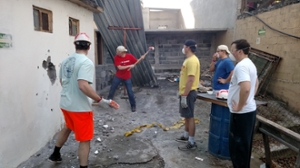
x=189, y=111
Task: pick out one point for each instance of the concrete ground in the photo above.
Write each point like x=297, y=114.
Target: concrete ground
x=151, y=148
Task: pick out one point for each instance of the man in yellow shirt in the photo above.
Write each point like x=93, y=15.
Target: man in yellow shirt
x=188, y=84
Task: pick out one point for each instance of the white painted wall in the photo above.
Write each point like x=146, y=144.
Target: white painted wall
x=160, y=17
x=26, y=93
x=214, y=14
x=146, y=18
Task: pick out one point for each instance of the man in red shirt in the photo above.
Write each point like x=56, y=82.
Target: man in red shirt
x=124, y=62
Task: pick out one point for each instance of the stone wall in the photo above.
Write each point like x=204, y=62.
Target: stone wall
x=285, y=84
x=104, y=75
x=105, y=72
x=225, y=38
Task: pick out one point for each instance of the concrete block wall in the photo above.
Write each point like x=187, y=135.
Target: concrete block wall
x=105, y=72
x=168, y=48
x=104, y=76
x=285, y=84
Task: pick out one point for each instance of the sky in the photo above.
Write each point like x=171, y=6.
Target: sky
x=184, y=5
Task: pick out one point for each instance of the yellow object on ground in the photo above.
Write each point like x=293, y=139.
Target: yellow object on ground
x=176, y=125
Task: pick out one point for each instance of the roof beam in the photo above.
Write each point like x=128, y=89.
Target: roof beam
x=91, y=7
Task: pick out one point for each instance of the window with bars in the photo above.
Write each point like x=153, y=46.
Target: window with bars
x=73, y=27
x=42, y=19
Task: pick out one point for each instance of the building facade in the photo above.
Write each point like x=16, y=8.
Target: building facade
x=35, y=36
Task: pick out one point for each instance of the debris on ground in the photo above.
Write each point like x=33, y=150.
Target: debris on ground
x=176, y=125
x=173, y=78
x=197, y=158
x=203, y=89
x=159, y=105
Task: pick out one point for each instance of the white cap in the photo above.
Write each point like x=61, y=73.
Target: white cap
x=224, y=47
x=121, y=49
x=82, y=37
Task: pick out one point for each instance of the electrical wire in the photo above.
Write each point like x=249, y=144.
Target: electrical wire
x=272, y=27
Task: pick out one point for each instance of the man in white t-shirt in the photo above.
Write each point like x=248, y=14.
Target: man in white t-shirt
x=242, y=89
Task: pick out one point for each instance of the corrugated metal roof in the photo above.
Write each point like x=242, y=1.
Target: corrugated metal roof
x=126, y=13
x=88, y=4
x=155, y=31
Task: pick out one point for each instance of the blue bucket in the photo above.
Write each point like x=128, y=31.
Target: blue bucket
x=218, y=131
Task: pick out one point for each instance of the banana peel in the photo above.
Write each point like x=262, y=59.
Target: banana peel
x=176, y=125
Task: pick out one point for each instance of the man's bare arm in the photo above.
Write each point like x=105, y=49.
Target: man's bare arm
x=256, y=85
x=229, y=77
x=120, y=67
x=87, y=89
x=244, y=94
x=212, y=66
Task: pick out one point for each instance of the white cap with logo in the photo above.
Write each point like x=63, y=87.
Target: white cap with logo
x=224, y=48
x=121, y=49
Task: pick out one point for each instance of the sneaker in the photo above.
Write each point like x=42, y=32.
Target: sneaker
x=133, y=109
x=188, y=146
x=182, y=139
x=55, y=159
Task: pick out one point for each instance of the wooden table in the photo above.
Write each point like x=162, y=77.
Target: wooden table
x=283, y=135
x=213, y=99
x=219, y=125
x=267, y=128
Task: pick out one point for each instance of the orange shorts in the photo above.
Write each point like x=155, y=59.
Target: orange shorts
x=81, y=123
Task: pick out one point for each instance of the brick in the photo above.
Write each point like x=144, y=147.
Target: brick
x=203, y=45
x=162, y=58
x=174, y=41
x=175, y=54
x=165, y=50
x=201, y=49
x=206, y=41
x=167, y=53
x=164, y=62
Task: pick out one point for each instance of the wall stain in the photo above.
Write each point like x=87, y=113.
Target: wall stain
x=51, y=70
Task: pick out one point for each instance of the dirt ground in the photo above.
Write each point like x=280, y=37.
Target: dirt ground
x=151, y=148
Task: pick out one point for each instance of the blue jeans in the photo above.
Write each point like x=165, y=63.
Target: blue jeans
x=115, y=83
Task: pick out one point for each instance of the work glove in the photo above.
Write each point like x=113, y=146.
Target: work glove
x=183, y=102
x=108, y=103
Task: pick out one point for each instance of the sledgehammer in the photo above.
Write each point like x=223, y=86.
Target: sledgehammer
x=151, y=48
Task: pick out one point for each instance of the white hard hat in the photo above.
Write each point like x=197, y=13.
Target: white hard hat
x=82, y=37
x=222, y=94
